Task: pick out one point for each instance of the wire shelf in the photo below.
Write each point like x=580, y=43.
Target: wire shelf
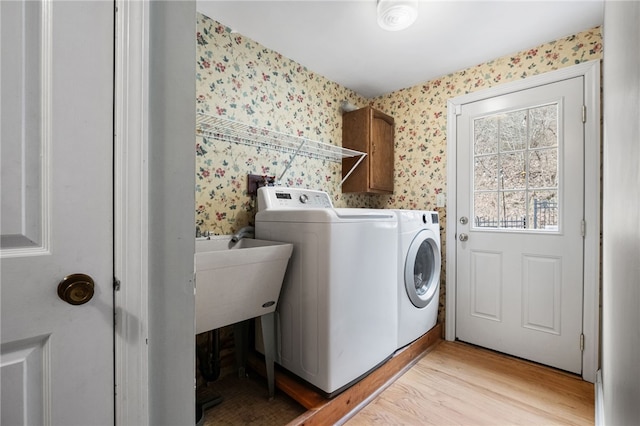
x=226, y=130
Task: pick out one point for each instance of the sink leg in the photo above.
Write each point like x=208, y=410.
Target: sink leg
x=268, y=323
x=241, y=340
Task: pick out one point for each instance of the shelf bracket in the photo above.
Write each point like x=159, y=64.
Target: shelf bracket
x=353, y=168
x=291, y=159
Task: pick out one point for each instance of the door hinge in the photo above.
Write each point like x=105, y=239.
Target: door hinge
x=116, y=284
x=581, y=342
x=584, y=113
x=583, y=228
x=458, y=109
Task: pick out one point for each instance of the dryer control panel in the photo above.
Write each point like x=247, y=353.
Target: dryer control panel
x=279, y=198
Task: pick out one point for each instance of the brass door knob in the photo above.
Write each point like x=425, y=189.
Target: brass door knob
x=76, y=289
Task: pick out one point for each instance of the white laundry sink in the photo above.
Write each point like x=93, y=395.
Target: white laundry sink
x=237, y=281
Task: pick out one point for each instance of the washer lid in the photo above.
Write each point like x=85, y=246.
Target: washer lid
x=315, y=215
x=365, y=214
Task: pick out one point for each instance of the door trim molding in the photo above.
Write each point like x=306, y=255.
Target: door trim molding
x=591, y=272
x=131, y=195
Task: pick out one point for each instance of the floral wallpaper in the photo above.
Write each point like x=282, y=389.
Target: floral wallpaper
x=239, y=79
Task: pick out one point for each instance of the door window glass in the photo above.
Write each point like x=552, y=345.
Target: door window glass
x=515, y=169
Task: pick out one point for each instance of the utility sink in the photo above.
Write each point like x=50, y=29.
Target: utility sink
x=237, y=281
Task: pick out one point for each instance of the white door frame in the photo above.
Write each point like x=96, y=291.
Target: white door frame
x=148, y=248
x=591, y=312
x=131, y=209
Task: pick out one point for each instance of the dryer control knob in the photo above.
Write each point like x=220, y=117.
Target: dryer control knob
x=304, y=198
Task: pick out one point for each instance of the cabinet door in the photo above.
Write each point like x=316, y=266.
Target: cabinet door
x=381, y=163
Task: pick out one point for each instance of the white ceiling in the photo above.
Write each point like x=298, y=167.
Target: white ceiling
x=341, y=40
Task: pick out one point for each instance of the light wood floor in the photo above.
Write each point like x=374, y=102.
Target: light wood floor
x=459, y=384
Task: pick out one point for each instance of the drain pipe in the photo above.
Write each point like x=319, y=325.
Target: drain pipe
x=209, y=360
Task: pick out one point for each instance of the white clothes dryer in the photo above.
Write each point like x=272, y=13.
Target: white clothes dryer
x=419, y=264
x=336, y=318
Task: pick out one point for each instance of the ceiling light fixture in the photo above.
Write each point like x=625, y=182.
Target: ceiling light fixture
x=396, y=15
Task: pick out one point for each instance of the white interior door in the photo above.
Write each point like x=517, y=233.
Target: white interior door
x=520, y=205
x=56, y=212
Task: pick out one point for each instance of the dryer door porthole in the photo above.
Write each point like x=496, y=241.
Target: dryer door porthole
x=422, y=269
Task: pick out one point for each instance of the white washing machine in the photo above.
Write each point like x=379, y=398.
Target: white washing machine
x=418, y=273
x=337, y=313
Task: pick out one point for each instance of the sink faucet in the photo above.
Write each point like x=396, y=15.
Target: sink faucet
x=247, y=231
x=200, y=234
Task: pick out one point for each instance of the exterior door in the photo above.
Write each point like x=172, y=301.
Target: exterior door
x=56, y=188
x=520, y=198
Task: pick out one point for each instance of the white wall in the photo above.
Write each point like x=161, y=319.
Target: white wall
x=621, y=214
x=171, y=216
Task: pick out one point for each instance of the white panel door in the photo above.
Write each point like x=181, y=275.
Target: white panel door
x=520, y=200
x=56, y=185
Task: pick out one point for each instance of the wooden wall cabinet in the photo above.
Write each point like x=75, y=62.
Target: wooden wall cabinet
x=370, y=131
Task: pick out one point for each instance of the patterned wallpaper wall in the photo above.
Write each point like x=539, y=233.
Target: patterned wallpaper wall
x=240, y=79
